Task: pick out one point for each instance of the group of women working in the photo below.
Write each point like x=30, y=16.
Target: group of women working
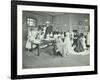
x=72, y=43
x=66, y=42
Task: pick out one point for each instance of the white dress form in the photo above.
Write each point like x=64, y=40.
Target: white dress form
x=67, y=42
x=83, y=43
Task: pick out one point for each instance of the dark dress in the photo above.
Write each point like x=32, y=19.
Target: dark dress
x=49, y=29
x=75, y=40
x=79, y=46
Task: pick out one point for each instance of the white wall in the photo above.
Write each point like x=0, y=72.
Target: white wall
x=70, y=20
x=41, y=19
x=5, y=41
x=25, y=16
x=61, y=22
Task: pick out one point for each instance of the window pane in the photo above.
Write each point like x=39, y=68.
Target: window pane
x=31, y=22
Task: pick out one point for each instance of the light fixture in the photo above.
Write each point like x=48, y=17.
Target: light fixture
x=86, y=20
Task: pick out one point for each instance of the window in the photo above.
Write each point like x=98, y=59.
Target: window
x=31, y=22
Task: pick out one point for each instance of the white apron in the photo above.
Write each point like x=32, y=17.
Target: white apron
x=28, y=44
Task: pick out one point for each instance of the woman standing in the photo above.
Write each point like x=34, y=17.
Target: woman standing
x=79, y=46
x=28, y=42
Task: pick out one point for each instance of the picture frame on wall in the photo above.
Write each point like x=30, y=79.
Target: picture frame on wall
x=66, y=44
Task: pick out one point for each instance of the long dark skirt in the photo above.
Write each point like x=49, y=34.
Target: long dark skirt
x=75, y=42
x=79, y=46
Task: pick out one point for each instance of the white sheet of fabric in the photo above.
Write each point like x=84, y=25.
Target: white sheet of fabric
x=37, y=41
x=33, y=46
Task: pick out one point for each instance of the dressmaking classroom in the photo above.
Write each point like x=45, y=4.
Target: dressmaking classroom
x=55, y=39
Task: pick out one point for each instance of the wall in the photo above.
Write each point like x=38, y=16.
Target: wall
x=41, y=19
x=70, y=21
x=61, y=22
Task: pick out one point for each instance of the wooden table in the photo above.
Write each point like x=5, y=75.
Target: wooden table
x=46, y=42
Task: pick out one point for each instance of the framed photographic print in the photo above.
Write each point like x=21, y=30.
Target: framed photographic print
x=53, y=39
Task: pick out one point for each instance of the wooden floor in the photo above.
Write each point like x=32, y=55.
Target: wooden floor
x=48, y=59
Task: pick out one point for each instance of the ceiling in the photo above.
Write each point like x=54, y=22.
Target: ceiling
x=41, y=13
x=47, y=13
x=55, y=13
